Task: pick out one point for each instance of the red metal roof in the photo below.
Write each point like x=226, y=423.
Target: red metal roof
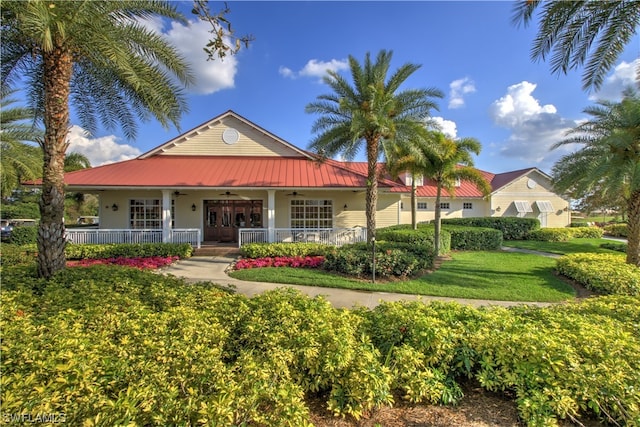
x=256, y=172
x=219, y=171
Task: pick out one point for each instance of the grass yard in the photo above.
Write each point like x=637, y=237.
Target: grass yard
x=562, y=248
x=503, y=276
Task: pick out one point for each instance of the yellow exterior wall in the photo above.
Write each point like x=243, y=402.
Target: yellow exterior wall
x=502, y=202
x=209, y=142
x=480, y=208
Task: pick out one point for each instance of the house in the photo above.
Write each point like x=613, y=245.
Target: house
x=230, y=180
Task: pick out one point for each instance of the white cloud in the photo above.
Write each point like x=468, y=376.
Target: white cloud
x=316, y=69
x=534, y=128
x=211, y=76
x=458, y=89
x=99, y=151
x=190, y=40
x=624, y=75
x=447, y=127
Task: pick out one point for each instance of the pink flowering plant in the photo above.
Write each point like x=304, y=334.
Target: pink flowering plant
x=294, y=261
x=142, y=263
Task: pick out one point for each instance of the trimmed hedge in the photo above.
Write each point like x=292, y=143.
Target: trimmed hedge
x=512, y=228
x=617, y=230
x=565, y=234
x=602, y=273
x=272, y=250
x=424, y=235
x=550, y=235
x=24, y=235
x=474, y=238
x=586, y=232
x=182, y=250
x=392, y=259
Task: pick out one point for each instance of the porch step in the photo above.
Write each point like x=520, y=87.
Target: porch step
x=216, y=251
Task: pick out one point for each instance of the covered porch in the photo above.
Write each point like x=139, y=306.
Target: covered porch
x=193, y=236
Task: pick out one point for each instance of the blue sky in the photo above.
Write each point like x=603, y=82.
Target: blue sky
x=470, y=50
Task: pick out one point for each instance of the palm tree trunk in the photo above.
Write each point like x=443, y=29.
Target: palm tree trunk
x=51, y=242
x=372, y=188
x=414, y=213
x=436, y=233
x=633, y=224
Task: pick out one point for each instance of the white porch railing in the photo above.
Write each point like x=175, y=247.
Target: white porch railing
x=105, y=236
x=327, y=236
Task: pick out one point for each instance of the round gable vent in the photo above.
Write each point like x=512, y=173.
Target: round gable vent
x=531, y=184
x=230, y=136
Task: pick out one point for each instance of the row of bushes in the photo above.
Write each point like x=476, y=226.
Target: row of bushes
x=617, y=230
x=512, y=228
x=24, y=254
x=453, y=237
x=564, y=234
x=271, y=250
x=113, y=346
x=606, y=274
x=392, y=259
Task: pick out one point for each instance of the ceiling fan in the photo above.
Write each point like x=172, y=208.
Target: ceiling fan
x=178, y=193
x=294, y=194
x=228, y=193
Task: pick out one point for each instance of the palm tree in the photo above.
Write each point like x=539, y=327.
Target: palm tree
x=575, y=32
x=370, y=112
x=451, y=163
x=99, y=55
x=609, y=160
x=76, y=161
x=412, y=157
x=19, y=160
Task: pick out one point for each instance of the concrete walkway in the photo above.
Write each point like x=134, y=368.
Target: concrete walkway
x=213, y=269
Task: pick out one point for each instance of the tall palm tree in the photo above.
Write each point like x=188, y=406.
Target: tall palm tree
x=451, y=163
x=413, y=157
x=20, y=159
x=609, y=160
x=100, y=56
x=369, y=112
x=575, y=32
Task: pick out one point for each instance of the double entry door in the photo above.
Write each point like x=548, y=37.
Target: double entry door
x=223, y=218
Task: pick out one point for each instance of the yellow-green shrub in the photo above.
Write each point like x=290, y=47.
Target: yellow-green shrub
x=264, y=250
x=602, y=273
x=617, y=230
x=550, y=234
x=586, y=232
x=565, y=361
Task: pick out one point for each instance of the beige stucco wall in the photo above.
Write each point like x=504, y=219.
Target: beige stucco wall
x=502, y=201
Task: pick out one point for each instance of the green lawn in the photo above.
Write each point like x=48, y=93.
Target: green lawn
x=504, y=276
x=562, y=248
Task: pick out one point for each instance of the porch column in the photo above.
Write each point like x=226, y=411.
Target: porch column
x=271, y=214
x=166, y=216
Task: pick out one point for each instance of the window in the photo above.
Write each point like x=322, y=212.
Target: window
x=311, y=214
x=445, y=205
x=145, y=213
x=467, y=205
x=422, y=206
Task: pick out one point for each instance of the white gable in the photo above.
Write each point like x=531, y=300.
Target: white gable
x=227, y=135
